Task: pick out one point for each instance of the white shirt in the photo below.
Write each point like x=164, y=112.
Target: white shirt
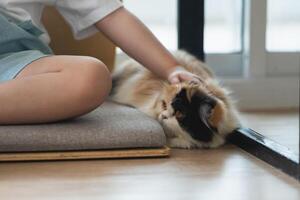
x=80, y=14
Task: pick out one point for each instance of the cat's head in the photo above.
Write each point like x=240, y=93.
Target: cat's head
x=200, y=113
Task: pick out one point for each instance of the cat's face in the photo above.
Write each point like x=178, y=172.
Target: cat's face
x=196, y=113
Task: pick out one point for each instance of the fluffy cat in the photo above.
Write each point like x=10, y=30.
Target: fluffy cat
x=193, y=115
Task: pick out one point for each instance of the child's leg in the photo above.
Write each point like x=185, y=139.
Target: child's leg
x=54, y=88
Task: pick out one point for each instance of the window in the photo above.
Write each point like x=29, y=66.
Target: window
x=223, y=37
x=159, y=16
x=222, y=31
x=283, y=25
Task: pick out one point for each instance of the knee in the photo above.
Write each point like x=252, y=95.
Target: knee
x=93, y=82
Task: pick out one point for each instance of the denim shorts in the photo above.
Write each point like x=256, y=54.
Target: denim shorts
x=19, y=46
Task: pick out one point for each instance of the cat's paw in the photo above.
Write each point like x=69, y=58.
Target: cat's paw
x=180, y=143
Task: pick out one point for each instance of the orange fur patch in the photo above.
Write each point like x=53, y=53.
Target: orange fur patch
x=217, y=115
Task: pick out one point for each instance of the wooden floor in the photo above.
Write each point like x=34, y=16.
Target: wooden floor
x=225, y=173
x=280, y=126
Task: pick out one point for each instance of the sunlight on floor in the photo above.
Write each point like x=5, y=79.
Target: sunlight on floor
x=280, y=126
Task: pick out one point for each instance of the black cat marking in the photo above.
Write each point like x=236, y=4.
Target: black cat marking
x=195, y=114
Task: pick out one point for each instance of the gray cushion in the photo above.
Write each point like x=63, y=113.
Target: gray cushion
x=110, y=126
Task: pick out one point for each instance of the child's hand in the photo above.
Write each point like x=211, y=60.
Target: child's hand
x=179, y=74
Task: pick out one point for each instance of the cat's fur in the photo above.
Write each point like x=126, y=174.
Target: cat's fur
x=192, y=114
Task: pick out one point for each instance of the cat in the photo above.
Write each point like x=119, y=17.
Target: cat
x=192, y=114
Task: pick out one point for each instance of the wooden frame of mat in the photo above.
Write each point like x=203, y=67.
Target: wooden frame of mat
x=83, y=155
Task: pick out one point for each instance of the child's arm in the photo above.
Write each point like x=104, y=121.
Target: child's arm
x=131, y=35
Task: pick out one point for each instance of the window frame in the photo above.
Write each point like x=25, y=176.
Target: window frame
x=270, y=69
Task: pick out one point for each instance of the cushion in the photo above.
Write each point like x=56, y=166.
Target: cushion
x=110, y=126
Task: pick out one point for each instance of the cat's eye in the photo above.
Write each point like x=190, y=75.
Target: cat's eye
x=164, y=105
x=179, y=115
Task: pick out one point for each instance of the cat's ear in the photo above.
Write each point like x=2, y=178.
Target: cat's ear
x=205, y=111
x=204, y=114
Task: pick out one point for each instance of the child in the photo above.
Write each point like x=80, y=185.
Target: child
x=37, y=86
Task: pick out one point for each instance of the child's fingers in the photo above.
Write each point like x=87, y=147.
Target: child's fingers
x=174, y=79
x=188, y=77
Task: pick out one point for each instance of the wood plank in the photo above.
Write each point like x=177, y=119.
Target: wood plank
x=94, y=154
x=225, y=173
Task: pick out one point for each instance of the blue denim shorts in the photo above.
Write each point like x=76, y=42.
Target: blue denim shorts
x=19, y=46
x=11, y=64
